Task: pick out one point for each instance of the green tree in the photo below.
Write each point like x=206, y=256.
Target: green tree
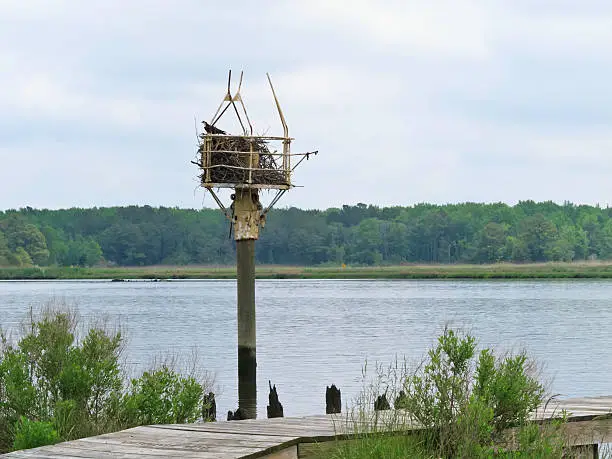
x=82, y=252
x=428, y=235
x=124, y=243
x=336, y=244
x=571, y=244
x=368, y=242
x=56, y=244
x=491, y=245
x=28, y=237
x=603, y=244
x=364, y=234
x=592, y=223
x=538, y=234
x=396, y=248
x=21, y=257
x=5, y=254
x=517, y=249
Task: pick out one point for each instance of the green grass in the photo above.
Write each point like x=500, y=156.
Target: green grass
x=587, y=270
x=375, y=446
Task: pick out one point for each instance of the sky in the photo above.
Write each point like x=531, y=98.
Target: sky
x=406, y=101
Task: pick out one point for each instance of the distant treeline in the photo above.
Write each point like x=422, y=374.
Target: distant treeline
x=357, y=235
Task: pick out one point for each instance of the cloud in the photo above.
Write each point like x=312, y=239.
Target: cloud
x=435, y=101
x=440, y=29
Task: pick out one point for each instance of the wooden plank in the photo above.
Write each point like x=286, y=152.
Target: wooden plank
x=582, y=408
x=40, y=455
x=589, y=432
x=51, y=452
x=150, y=437
x=280, y=430
x=272, y=430
x=327, y=425
x=127, y=451
x=205, y=444
x=310, y=420
x=61, y=453
x=185, y=432
x=585, y=410
x=285, y=434
x=587, y=403
x=29, y=454
x=599, y=399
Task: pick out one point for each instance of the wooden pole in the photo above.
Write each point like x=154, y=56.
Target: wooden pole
x=247, y=361
x=247, y=210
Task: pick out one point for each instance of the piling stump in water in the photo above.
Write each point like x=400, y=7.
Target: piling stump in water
x=333, y=400
x=275, y=408
x=209, y=408
x=400, y=400
x=237, y=415
x=381, y=403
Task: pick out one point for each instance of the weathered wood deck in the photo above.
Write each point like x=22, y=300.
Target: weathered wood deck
x=284, y=438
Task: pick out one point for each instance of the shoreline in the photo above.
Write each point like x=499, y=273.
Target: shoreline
x=580, y=270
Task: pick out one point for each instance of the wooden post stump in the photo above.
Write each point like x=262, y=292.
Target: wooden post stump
x=209, y=408
x=333, y=400
x=275, y=408
x=400, y=400
x=381, y=403
x=237, y=415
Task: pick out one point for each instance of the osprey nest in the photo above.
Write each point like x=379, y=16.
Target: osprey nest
x=225, y=156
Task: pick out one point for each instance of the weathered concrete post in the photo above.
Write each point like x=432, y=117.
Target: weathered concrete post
x=247, y=214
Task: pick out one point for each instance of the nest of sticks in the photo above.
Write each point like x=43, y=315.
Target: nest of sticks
x=227, y=153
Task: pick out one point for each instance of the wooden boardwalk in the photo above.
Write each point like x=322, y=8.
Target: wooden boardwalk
x=590, y=422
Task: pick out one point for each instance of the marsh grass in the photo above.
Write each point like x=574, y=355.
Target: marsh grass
x=552, y=270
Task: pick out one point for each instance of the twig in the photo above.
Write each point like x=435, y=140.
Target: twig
x=195, y=125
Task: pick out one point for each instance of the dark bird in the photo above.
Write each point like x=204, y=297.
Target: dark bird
x=212, y=129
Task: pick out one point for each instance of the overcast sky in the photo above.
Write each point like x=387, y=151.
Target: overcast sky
x=407, y=101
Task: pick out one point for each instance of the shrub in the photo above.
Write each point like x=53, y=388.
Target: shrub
x=56, y=387
x=163, y=397
x=507, y=387
x=465, y=403
x=31, y=434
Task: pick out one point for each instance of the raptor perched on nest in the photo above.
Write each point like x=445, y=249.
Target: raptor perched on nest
x=212, y=129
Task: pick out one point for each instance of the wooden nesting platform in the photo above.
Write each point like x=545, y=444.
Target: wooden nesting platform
x=590, y=423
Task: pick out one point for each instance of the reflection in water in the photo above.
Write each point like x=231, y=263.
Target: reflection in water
x=315, y=333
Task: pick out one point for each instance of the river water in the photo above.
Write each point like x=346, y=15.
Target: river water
x=312, y=333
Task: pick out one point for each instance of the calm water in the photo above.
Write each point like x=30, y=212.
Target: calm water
x=314, y=333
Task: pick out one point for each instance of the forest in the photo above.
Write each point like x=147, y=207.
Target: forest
x=359, y=235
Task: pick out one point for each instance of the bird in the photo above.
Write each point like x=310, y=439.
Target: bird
x=212, y=129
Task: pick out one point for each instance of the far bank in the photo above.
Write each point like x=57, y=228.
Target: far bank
x=590, y=270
